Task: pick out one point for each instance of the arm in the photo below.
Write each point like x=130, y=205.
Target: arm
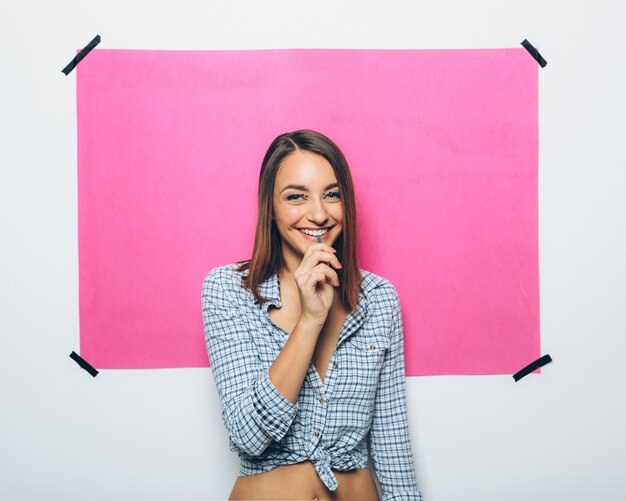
x=389, y=435
x=256, y=409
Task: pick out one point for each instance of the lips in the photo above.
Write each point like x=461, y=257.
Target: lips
x=313, y=229
x=314, y=238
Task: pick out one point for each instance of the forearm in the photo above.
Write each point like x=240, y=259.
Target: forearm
x=254, y=411
x=288, y=371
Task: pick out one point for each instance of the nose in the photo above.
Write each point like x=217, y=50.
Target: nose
x=318, y=213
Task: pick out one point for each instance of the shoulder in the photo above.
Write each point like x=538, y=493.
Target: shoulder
x=225, y=273
x=379, y=290
x=377, y=285
x=223, y=282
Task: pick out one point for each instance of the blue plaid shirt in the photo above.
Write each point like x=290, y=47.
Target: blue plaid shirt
x=363, y=393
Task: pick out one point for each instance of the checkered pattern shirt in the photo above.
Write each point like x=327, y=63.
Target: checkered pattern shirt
x=363, y=393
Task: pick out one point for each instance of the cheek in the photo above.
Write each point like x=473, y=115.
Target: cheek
x=292, y=213
x=336, y=213
x=288, y=215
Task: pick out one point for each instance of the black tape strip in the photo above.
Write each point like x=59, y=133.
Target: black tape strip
x=535, y=53
x=79, y=57
x=84, y=364
x=540, y=362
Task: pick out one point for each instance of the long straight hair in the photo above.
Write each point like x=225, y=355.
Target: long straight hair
x=267, y=258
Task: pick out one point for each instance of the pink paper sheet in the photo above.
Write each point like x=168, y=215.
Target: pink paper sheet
x=443, y=149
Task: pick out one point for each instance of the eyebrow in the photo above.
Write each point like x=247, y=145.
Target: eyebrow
x=304, y=188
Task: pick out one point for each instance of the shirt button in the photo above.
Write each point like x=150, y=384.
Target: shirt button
x=335, y=365
x=372, y=346
x=321, y=400
x=316, y=433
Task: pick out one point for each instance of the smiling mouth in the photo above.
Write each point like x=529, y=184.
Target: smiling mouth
x=315, y=234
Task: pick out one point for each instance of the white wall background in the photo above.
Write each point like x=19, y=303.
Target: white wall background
x=157, y=434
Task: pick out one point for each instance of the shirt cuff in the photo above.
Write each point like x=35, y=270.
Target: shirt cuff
x=403, y=496
x=274, y=412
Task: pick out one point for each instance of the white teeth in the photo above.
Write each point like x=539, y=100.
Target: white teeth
x=313, y=233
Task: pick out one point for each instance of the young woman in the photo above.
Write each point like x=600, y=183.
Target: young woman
x=306, y=349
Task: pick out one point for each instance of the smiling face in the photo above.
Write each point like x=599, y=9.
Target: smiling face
x=306, y=196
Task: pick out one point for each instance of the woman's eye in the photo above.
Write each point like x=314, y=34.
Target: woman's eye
x=332, y=194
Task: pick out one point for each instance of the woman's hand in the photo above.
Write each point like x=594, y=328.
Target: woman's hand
x=316, y=281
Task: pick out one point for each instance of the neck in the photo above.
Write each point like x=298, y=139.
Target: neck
x=286, y=277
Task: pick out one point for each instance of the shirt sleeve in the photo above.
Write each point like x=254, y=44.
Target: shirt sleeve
x=254, y=412
x=390, y=444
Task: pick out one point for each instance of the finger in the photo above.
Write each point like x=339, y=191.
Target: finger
x=320, y=274
x=308, y=262
x=308, y=282
x=329, y=273
x=322, y=246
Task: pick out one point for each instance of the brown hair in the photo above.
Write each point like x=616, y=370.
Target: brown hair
x=267, y=258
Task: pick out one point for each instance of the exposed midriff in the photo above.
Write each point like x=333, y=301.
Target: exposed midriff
x=301, y=481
